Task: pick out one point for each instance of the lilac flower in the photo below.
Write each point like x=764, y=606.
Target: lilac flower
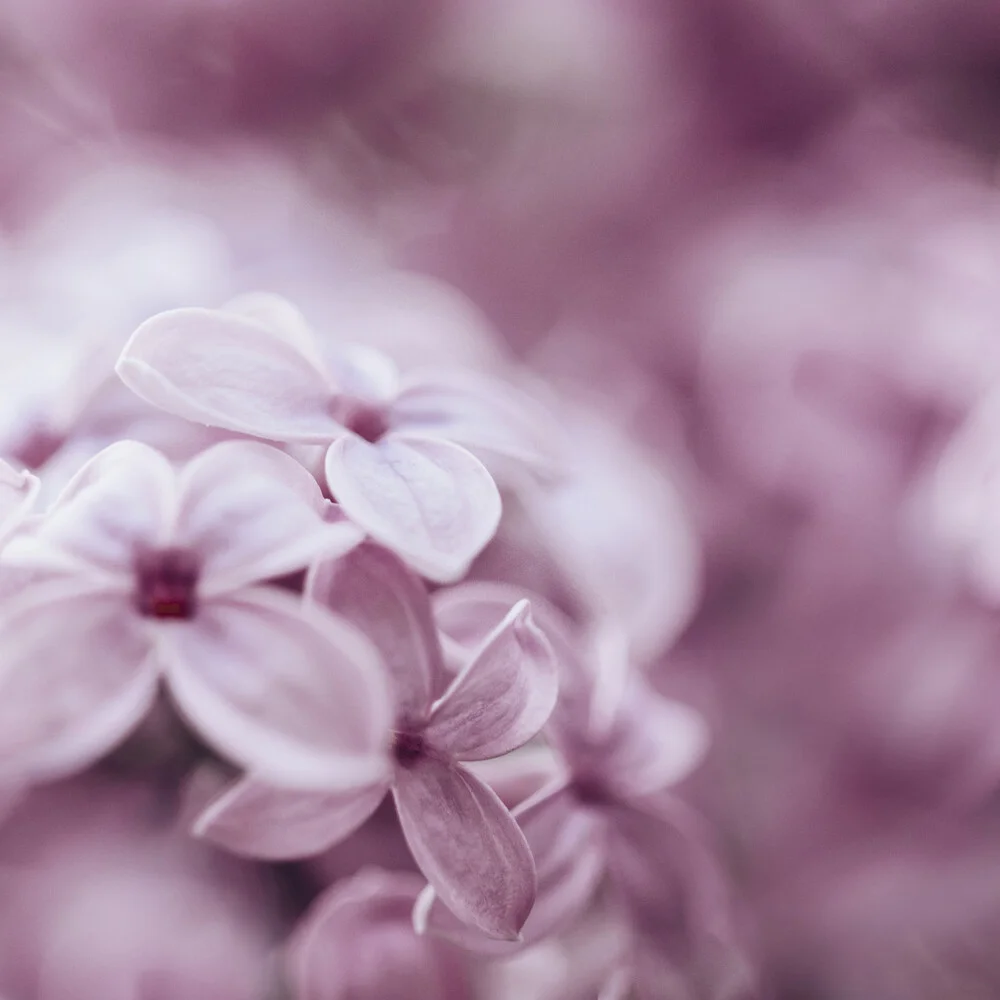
x=612, y=812
x=358, y=943
x=68, y=406
x=151, y=575
x=397, y=461
x=101, y=900
x=458, y=830
x=618, y=528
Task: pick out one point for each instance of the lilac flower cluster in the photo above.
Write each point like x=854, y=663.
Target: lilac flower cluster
x=498, y=499
x=271, y=633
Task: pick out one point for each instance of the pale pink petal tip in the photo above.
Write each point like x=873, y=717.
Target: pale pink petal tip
x=503, y=697
x=230, y=370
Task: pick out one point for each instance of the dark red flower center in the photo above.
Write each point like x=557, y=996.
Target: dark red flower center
x=166, y=584
x=368, y=422
x=408, y=748
x=37, y=447
x=591, y=791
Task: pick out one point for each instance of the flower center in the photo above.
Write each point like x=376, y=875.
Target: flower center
x=408, y=748
x=166, y=584
x=591, y=791
x=368, y=422
x=37, y=447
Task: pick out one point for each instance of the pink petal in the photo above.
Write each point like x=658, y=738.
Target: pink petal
x=357, y=942
x=230, y=371
x=503, y=697
x=260, y=821
x=569, y=846
x=75, y=679
x=492, y=419
x=519, y=775
x=120, y=501
x=282, y=319
x=466, y=615
x=431, y=502
x=467, y=845
x=621, y=532
x=674, y=891
x=372, y=589
x=654, y=743
x=294, y=695
x=18, y=491
x=364, y=373
x=252, y=512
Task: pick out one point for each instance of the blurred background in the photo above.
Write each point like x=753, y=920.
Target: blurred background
x=750, y=249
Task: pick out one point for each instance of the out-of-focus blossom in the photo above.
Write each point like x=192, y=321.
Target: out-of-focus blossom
x=159, y=570
x=397, y=464
x=102, y=900
x=611, y=814
x=610, y=537
x=459, y=831
x=358, y=943
x=620, y=531
x=842, y=341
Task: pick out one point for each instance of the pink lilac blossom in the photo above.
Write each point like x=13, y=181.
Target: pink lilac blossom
x=610, y=814
x=160, y=570
x=396, y=463
x=358, y=943
x=458, y=830
x=708, y=363
x=95, y=855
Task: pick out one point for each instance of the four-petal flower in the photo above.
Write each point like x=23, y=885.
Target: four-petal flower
x=141, y=573
x=397, y=459
x=458, y=830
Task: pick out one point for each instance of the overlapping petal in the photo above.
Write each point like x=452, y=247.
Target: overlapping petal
x=373, y=589
x=654, y=743
x=503, y=697
x=467, y=845
x=252, y=512
x=294, y=695
x=674, y=892
x=260, y=821
x=76, y=676
x=357, y=941
x=122, y=500
x=282, y=319
x=492, y=419
x=569, y=845
x=468, y=613
x=232, y=371
x=431, y=502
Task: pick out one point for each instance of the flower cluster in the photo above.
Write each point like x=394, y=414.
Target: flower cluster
x=499, y=499
x=272, y=631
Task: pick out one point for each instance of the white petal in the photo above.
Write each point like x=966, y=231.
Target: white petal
x=260, y=821
x=251, y=512
x=121, y=501
x=431, y=502
x=76, y=676
x=293, y=694
x=226, y=370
